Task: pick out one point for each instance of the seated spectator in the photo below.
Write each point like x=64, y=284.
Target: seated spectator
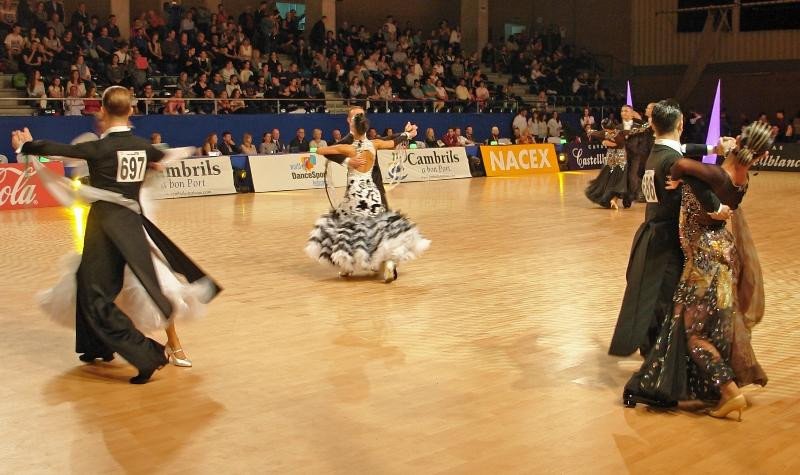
x=482, y=95
x=267, y=146
x=52, y=42
x=385, y=92
x=463, y=93
x=238, y=105
x=74, y=103
x=209, y=147
x=140, y=68
x=233, y=85
x=248, y=148
x=228, y=71
x=36, y=88
x=417, y=93
x=430, y=138
x=175, y=105
x=56, y=91
x=84, y=71
x=36, y=59
x=316, y=139
x=104, y=45
x=469, y=138
x=92, y=101
x=537, y=127
x=206, y=106
x=115, y=73
x=223, y=103
x=276, y=139
x=299, y=143
x=148, y=103
x=450, y=138
x=587, y=119
x=155, y=138
x=75, y=81
x=441, y=97
x=336, y=136
x=228, y=146
x=14, y=43
x=155, y=50
x=554, y=128
x=495, y=138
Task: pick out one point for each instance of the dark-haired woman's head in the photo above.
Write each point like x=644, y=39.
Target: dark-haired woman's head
x=667, y=117
x=360, y=123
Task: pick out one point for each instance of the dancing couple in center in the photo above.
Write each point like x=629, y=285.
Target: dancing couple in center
x=362, y=235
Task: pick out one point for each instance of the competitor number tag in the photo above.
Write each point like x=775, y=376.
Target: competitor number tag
x=649, y=186
x=131, y=165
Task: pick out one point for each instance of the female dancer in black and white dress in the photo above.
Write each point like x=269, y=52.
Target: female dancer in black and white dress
x=361, y=235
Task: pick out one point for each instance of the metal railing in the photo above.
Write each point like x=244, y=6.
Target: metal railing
x=156, y=105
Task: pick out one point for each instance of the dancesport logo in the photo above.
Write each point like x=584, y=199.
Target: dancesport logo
x=19, y=186
x=308, y=162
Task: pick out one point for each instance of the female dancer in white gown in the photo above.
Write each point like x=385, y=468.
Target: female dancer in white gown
x=361, y=235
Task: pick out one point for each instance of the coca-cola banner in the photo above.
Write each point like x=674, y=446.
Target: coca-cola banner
x=21, y=187
x=585, y=157
x=784, y=157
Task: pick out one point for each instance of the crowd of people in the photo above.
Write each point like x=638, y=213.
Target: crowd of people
x=215, y=63
x=225, y=144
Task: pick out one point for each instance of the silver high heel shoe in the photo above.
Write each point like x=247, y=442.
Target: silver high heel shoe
x=389, y=271
x=184, y=362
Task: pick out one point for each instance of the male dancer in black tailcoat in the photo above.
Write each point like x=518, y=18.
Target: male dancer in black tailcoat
x=115, y=236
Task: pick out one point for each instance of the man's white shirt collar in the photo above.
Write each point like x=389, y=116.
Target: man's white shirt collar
x=673, y=144
x=116, y=128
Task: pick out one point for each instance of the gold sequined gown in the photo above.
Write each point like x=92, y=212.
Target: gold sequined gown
x=706, y=342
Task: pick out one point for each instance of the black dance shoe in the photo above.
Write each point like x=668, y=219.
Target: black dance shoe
x=626, y=203
x=630, y=400
x=145, y=373
x=91, y=358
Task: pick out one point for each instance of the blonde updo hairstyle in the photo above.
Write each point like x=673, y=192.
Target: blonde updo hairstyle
x=756, y=139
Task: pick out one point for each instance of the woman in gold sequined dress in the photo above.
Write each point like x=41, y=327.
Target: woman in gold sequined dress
x=703, y=354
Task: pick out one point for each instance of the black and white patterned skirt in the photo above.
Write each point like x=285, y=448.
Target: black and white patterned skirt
x=357, y=244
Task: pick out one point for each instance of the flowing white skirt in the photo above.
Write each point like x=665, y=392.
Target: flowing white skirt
x=187, y=300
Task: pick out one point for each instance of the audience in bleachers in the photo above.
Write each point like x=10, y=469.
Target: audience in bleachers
x=263, y=55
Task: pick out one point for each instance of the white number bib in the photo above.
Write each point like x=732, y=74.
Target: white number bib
x=131, y=165
x=649, y=186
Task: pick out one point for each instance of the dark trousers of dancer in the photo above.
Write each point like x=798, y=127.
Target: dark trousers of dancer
x=114, y=237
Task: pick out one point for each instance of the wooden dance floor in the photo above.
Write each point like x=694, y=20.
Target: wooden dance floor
x=487, y=356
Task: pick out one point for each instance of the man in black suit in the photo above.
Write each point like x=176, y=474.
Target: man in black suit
x=299, y=143
x=280, y=147
x=116, y=236
x=227, y=145
x=656, y=259
x=356, y=162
